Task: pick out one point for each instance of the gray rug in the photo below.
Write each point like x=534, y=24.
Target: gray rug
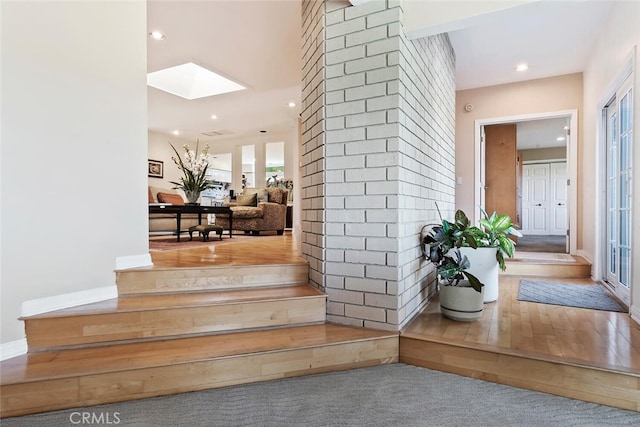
x=594, y=297
x=382, y=396
x=533, y=243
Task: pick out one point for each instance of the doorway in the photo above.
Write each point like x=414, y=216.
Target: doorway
x=560, y=193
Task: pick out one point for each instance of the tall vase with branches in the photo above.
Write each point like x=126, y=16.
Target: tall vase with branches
x=194, y=171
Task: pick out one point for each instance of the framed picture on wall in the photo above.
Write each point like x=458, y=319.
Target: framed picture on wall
x=156, y=168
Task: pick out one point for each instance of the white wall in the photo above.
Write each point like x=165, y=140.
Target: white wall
x=73, y=148
x=610, y=53
x=529, y=97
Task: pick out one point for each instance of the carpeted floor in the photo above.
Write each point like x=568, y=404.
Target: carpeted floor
x=594, y=297
x=384, y=396
x=532, y=243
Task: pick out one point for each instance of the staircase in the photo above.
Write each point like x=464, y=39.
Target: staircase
x=173, y=330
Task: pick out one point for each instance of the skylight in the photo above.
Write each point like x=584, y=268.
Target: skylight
x=191, y=81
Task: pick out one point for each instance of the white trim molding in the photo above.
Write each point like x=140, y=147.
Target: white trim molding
x=634, y=312
x=73, y=299
x=13, y=349
x=572, y=163
x=133, y=261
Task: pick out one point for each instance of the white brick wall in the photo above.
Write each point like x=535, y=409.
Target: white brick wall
x=377, y=150
x=313, y=135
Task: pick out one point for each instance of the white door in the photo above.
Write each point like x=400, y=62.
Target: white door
x=558, y=199
x=535, y=199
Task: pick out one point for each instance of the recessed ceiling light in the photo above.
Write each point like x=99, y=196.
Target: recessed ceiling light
x=292, y=104
x=156, y=35
x=191, y=81
x=175, y=132
x=214, y=117
x=560, y=138
x=522, y=67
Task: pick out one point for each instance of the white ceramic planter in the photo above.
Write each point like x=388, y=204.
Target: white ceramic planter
x=461, y=303
x=484, y=266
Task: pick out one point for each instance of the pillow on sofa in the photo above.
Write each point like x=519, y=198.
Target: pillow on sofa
x=174, y=199
x=247, y=200
x=151, y=199
x=276, y=195
x=261, y=192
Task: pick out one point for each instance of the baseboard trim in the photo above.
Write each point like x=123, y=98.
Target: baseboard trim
x=635, y=314
x=13, y=349
x=133, y=261
x=58, y=302
x=585, y=255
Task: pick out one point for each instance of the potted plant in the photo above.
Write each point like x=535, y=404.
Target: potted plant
x=461, y=292
x=492, y=245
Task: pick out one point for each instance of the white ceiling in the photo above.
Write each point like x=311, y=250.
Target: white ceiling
x=553, y=37
x=542, y=133
x=258, y=44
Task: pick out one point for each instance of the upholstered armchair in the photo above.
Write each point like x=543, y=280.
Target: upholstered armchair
x=256, y=210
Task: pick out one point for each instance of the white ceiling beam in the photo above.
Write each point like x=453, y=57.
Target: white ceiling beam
x=423, y=18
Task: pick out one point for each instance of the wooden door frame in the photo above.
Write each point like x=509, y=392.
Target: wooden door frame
x=572, y=164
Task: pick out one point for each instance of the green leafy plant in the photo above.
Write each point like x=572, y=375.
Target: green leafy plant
x=494, y=232
x=453, y=269
x=440, y=243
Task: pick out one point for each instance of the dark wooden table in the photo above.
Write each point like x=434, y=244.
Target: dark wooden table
x=178, y=210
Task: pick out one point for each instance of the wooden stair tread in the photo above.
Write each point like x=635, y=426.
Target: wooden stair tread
x=68, y=363
x=212, y=266
x=577, y=260
x=132, y=303
x=209, y=278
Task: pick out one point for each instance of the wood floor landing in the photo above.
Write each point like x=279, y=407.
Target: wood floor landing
x=584, y=354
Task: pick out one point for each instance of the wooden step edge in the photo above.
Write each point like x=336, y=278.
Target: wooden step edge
x=95, y=345
x=524, y=354
x=94, y=389
x=577, y=381
x=301, y=263
x=100, y=308
x=178, y=357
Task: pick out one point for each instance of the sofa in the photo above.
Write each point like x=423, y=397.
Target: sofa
x=256, y=210
x=167, y=222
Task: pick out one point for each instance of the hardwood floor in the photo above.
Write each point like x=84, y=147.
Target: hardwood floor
x=194, y=320
x=604, y=339
x=156, y=338
x=259, y=250
x=584, y=354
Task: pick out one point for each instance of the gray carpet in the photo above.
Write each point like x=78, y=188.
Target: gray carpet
x=389, y=395
x=533, y=243
x=594, y=297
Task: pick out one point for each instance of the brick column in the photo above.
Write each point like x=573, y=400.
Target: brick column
x=378, y=150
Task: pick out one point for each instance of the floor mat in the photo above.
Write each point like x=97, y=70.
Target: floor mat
x=594, y=297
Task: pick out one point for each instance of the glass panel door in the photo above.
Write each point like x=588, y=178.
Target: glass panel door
x=618, y=117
